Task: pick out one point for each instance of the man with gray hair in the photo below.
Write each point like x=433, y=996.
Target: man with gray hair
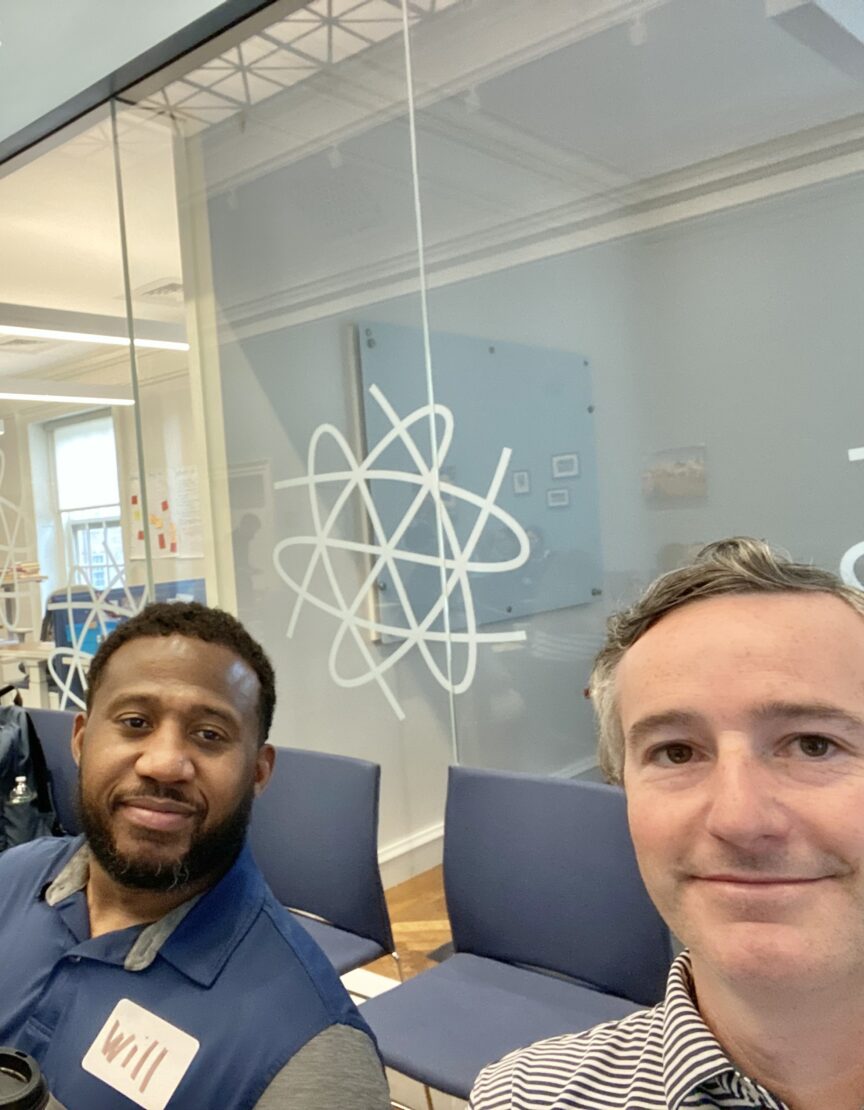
x=730, y=700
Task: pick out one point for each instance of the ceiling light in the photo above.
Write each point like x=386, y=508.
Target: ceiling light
x=87, y=337
x=63, y=392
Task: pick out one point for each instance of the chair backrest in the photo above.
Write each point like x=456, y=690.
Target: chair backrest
x=541, y=871
x=54, y=729
x=314, y=833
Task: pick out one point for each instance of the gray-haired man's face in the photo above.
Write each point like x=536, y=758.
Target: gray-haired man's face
x=743, y=719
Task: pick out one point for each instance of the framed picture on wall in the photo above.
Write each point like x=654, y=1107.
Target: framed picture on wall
x=676, y=476
x=565, y=466
x=521, y=481
x=557, y=498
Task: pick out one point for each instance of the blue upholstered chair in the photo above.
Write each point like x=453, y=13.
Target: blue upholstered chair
x=553, y=930
x=314, y=834
x=54, y=729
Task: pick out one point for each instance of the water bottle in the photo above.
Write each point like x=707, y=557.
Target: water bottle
x=22, y=1084
x=21, y=795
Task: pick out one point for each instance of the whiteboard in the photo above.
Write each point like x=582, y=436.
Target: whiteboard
x=533, y=400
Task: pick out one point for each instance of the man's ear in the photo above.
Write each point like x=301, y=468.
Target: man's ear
x=78, y=736
x=265, y=757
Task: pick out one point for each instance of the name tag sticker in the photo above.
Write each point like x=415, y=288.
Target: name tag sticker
x=140, y=1055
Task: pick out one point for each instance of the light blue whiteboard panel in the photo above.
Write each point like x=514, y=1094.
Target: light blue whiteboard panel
x=532, y=400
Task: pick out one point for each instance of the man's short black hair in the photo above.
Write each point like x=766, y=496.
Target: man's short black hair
x=198, y=622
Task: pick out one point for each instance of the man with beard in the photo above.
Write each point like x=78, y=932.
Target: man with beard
x=147, y=963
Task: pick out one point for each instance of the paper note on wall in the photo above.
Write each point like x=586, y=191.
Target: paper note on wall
x=174, y=515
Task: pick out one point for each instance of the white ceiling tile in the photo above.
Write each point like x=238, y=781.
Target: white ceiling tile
x=288, y=31
x=315, y=44
x=260, y=88
x=178, y=90
x=230, y=57
x=345, y=43
x=376, y=9
x=374, y=30
x=210, y=77
x=254, y=49
x=341, y=8
x=232, y=87
x=285, y=76
x=201, y=118
x=179, y=93
x=207, y=100
x=286, y=73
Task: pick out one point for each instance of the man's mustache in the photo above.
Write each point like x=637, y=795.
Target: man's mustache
x=156, y=790
x=777, y=865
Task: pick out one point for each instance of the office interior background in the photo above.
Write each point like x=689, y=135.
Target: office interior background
x=422, y=334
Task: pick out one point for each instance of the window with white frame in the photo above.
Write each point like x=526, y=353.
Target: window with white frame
x=88, y=499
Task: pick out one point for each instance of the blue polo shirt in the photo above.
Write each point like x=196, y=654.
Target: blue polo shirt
x=229, y=969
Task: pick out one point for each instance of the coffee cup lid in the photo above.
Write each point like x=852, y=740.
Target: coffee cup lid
x=22, y=1085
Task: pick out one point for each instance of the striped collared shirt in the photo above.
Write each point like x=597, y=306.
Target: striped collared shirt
x=660, y=1059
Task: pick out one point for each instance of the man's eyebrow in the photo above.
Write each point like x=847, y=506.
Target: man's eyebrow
x=132, y=699
x=768, y=711
x=796, y=711
x=673, y=718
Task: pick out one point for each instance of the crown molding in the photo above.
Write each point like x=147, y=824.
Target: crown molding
x=815, y=156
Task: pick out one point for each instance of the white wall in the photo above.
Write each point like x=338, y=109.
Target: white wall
x=741, y=332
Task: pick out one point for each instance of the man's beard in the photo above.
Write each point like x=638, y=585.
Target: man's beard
x=210, y=853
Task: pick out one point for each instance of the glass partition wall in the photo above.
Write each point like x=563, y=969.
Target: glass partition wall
x=494, y=311
x=74, y=547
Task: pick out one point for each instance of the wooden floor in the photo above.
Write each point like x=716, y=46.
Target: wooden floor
x=420, y=923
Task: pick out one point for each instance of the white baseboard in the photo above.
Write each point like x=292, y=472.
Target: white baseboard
x=405, y=858
x=577, y=767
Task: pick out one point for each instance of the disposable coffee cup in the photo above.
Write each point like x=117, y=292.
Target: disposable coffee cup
x=22, y=1084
